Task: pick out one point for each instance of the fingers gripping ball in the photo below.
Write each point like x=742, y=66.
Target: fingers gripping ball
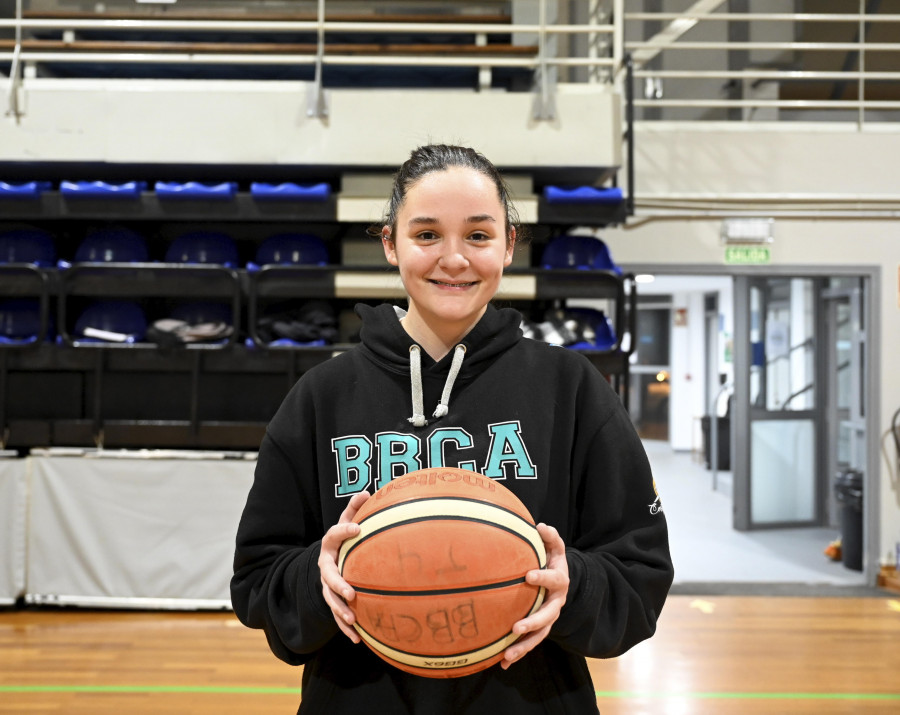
x=439, y=571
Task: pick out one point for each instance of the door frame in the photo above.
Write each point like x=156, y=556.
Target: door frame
x=743, y=513
x=834, y=413
x=871, y=296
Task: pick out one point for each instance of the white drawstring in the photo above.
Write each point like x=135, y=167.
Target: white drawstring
x=458, y=353
x=415, y=378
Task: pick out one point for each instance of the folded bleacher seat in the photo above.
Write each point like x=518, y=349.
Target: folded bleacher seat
x=27, y=245
x=112, y=245
x=112, y=321
x=578, y=251
x=302, y=249
x=203, y=247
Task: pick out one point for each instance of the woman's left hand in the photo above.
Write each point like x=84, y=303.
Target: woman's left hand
x=555, y=579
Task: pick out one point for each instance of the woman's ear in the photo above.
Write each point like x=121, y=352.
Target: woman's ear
x=510, y=246
x=390, y=248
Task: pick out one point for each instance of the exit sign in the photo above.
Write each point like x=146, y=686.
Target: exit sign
x=745, y=255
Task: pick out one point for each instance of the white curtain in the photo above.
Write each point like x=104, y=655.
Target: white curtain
x=13, y=487
x=132, y=532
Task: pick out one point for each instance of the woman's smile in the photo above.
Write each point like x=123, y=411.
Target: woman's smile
x=452, y=284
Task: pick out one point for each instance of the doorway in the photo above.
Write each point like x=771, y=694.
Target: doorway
x=840, y=305
x=650, y=368
x=799, y=387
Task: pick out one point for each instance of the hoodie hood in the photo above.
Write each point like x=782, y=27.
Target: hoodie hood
x=385, y=342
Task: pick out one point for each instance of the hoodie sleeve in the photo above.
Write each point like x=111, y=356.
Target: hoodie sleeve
x=617, y=547
x=276, y=584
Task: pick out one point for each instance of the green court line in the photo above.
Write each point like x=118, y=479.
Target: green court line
x=748, y=696
x=145, y=689
x=619, y=694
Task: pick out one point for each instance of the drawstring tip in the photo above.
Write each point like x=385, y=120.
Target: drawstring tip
x=418, y=420
x=440, y=411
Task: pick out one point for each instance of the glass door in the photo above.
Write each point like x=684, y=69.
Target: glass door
x=777, y=378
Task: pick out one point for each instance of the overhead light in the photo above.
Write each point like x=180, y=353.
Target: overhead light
x=644, y=278
x=748, y=230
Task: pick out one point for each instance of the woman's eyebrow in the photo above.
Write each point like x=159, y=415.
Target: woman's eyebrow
x=429, y=221
x=422, y=220
x=481, y=218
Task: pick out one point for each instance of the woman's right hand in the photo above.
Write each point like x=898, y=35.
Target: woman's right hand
x=336, y=590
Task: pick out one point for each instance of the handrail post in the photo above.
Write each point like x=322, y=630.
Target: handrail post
x=861, y=82
x=629, y=131
x=618, y=39
x=15, y=69
x=544, y=104
x=316, y=105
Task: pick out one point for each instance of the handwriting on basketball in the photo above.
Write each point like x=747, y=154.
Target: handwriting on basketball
x=440, y=625
x=411, y=563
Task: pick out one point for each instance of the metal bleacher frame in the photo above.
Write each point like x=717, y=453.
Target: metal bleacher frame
x=480, y=37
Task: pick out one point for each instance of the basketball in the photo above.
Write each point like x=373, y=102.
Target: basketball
x=439, y=571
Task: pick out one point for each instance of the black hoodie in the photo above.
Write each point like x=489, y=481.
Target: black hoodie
x=540, y=418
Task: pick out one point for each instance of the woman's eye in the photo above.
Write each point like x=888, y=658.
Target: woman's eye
x=427, y=236
x=479, y=237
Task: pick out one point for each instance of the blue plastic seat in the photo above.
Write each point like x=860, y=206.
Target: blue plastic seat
x=583, y=195
x=604, y=335
x=203, y=247
x=20, y=320
x=124, y=317
x=293, y=249
x=102, y=189
x=112, y=245
x=26, y=190
x=195, y=190
x=289, y=190
x=579, y=252
x=27, y=245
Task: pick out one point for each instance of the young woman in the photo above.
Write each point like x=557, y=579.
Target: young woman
x=540, y=418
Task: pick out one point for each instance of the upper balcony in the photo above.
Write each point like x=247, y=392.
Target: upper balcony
x=537, y=86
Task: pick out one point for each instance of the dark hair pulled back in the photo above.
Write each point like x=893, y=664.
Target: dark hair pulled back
x=439, y=157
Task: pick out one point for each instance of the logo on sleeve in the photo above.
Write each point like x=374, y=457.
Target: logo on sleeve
x=656, y=506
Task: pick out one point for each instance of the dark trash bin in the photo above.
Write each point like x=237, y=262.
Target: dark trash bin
x=848, y=490
x=723, y=442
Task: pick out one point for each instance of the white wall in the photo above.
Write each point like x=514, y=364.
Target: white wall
x=245, y=122
x=824, y=165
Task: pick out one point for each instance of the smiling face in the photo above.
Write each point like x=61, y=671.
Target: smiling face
x=451, y=245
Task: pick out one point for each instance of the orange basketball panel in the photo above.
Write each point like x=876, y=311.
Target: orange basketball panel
x=447, y=624
x=439, y=553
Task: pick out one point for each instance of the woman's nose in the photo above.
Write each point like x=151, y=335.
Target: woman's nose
x=453, y=257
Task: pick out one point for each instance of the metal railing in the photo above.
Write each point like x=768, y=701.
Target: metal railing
x=705, y=64
x=699, y=64
x=545, y=36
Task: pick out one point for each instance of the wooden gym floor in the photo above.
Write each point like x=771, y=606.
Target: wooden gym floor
x=712, y=654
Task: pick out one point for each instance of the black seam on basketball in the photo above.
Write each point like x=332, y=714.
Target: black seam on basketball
x=442, y=517
x=439, y=591
x=413, y=654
